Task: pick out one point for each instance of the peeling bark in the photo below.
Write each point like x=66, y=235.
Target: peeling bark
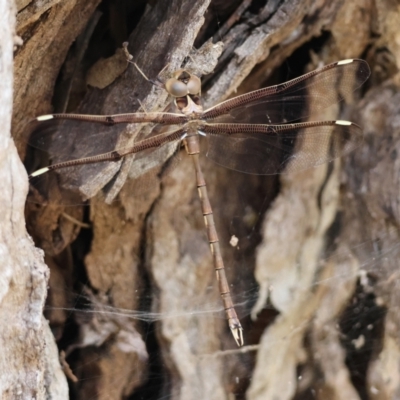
x=29, y=357
x=132, y=298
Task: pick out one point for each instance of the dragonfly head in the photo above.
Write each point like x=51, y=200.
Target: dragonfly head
x=186, y=89
x=183, y=84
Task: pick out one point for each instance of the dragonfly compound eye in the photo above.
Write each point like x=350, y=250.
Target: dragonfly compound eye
x=176, y=88
x=194, y=85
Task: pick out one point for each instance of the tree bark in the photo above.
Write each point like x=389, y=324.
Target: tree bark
x=132, y=299
x=29, y=357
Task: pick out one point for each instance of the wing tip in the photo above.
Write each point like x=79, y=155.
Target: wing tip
x=347, y=61
x=343, y=122
x=45, y=117
x=39, y=172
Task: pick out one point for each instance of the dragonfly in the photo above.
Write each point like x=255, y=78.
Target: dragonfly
x=263, y=132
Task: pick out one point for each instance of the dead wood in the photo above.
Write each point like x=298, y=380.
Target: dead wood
x=132, y=299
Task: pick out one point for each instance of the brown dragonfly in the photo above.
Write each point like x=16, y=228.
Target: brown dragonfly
x=260, y=132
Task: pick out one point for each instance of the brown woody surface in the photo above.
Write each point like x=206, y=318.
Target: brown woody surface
x=133, y=300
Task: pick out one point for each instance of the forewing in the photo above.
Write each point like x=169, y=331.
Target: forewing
x=290, y=101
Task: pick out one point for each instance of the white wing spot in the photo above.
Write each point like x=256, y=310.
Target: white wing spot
x=39, y=172
x=45, y=117
x=343, y=62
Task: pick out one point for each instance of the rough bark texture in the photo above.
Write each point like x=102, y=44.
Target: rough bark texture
x=132, y=299
x=29, y=357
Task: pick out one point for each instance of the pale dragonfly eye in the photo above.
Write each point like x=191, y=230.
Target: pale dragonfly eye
x=194, y=85
x=176, y=88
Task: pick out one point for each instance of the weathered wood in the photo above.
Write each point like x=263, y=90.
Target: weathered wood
x=29, y=366
x=152, y=323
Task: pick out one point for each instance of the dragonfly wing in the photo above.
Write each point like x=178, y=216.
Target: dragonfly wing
x=103, y=156
x=290, y=101
x=273, y=149
x=145, y=169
